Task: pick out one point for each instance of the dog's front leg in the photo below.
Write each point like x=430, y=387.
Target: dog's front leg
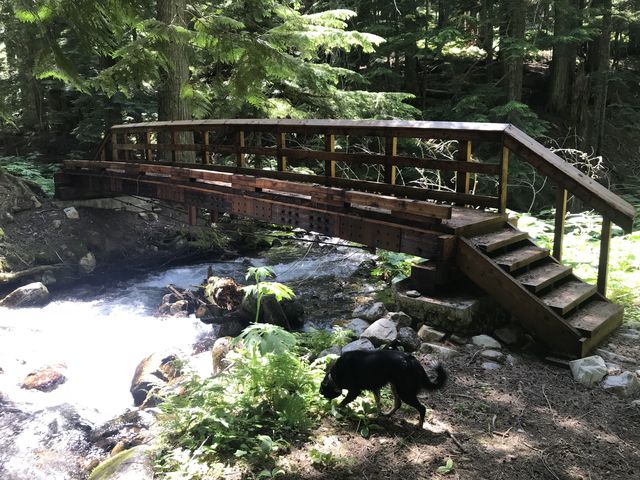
x=351, y=396
x=376, y=395
x=396, y=401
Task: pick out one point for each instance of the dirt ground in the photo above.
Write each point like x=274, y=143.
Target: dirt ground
x=529, y=420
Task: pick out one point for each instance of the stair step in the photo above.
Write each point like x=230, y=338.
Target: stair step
x=520, y=257
x=595, y=318
x=568, y=295
x=492, y=241
x=541, y=277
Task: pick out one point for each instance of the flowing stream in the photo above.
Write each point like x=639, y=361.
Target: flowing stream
x=100, y=339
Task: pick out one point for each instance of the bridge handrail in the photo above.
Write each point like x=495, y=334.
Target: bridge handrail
x=565, y=176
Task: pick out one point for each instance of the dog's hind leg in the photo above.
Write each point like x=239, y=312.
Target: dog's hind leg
x=396, y=401
x=409, y=397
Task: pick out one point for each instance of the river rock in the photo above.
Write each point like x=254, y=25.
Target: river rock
x=357, y=326
x=589, y=370
x=613, y=368
x=221, y=347
x=438, y=350
x=408, y=339
x=486, y=341
x=370, y=312
x=72, y=213
x=429, y=334
x=129, y=429
x=624, y=385
x=333, y=350
x=178, y=307
x=133, y=464
x=57, y=224
x=492, y=355
x=87, y=263
x=45, y=379
x=31, y=295
x=360, y=344
x=490, y=365
x=151, y=374
x=401, y=319
x=510, y=335
x=381, y=332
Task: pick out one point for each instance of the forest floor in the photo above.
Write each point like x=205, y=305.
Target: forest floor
x=526, y=420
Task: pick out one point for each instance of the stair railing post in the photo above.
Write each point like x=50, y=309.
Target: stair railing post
x=280, y=158
x=390, y=151
x=463, y=155
x=240, y=159
x=561, y=213
x=503, y=181
x=148, y=154
x=173, y=146
x=114, y=147
x=206, y=154
x=603, y=264
x=329, y=165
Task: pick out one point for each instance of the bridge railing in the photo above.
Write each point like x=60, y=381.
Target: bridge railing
x=224, y=145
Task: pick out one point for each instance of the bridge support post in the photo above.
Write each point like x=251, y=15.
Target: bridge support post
x=464, y=155
x=390, y=151
x=192, y=213
x=603, y=264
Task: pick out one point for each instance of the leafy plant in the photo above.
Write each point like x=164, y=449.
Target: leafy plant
x=29, y=168
x=324, y=459
x=393, y=266
x=446, y=468
x=246, y=414
x=315, y=341
x=262, y=288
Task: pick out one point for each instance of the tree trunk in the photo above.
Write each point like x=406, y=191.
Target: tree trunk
x=564, y=57
x=171, y=104
x=512, y=48
x=486, y=34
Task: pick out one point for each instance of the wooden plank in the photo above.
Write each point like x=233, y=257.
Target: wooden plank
x=330, y=147
x=390, y=151
x=548, y=327
x=490, y=242
x=570, y=178
x=463, y=155
x=503, y=181
x=415, y=207
x=520, y=257
x=540, y=277
x=558, y=232
x=603, y=262
x=568, y=296
x=593, y=316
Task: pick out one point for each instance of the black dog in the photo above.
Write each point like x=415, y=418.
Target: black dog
x=371, y=370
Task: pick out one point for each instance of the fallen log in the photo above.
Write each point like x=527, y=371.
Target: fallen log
x=10, y=277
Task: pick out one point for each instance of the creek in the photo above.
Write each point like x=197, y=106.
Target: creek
x=100, y=334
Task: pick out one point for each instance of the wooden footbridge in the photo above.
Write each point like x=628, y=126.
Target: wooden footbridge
x=301, y=173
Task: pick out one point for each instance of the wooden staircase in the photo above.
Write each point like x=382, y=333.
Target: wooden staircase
x=564, y=313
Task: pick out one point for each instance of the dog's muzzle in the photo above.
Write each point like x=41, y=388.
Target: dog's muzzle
x=328, y=388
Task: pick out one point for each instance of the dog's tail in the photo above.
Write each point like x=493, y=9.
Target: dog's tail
x=439, y=382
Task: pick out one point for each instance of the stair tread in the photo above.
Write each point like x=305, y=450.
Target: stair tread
x=540, y=277
x=594, y=316
x=493, y=240
x=568, y=295
x=521, y=257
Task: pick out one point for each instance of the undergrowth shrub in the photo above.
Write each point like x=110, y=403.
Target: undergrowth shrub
x=248, y=414
x=29, y=168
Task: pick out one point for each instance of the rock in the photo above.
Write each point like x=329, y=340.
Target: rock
x=45, y=379
x=357, y=326
x=613, y=368
x=589, y=370
x=401, y=319
x=360, y=344
x=36, y=202
x=381, y=332
x=408, y=339
x=429, y=334
x=233, y=325
x=334, y=350
x=149, y=216
x=8, y=217
x=635, y=404
x=511, y=360
x=509, y=335
x=57, y=224
x=48, y=278
x=439, y=350
x=72, y=213
x=492, y=355
x=628, y=335
x=294, y=311
x=485, y=341
x=178, y=307
x=31, y=295
x=413, y=294
x=459, y=340
x=221, y=347
x=370, y=312
x=128, y=429
x=152, y=373
x=624, y=385
x=490, y=365
x=87, y=263
x=133, y=464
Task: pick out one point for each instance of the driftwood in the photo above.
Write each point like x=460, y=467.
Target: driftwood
x=13, y=276
x=224, y=292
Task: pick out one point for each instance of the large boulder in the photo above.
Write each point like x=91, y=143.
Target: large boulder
x=381, y=332
x=589, y=370
x=31, y=295
x=625, y=385
x=370, y=312
x=430, y=334
x=438, y=350
x=151, y=374
x=486, y=341
x=360, y=344
x=45, y=379
x=408, y=339
x=357, y=326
